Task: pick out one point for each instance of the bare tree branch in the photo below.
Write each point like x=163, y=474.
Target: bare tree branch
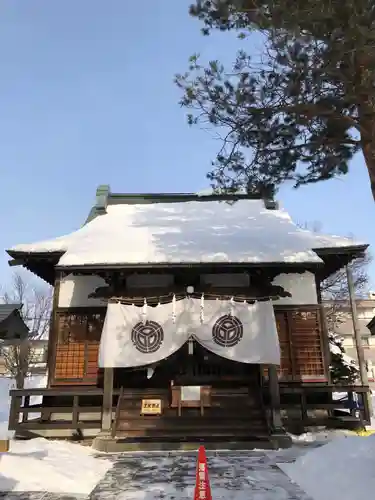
x=36, y=310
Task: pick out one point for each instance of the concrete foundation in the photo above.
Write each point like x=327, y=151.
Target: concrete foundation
x=107, y=444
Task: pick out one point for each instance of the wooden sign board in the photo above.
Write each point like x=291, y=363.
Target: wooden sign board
x=191, y=393
x=151, y=407
x=4, y=445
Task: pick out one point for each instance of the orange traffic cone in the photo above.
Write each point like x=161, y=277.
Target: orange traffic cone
x=202, y=482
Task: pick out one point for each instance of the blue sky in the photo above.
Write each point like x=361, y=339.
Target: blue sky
x=87, y=97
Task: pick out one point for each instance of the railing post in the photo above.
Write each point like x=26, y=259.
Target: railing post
x=303, y=407
x=14, y=412
x=75, y=416
x=274, y=390
x=26, y=405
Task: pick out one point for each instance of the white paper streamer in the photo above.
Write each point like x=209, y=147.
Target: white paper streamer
x=231, y=310
x=174, y=308
x=202, y=309
x=144, y=311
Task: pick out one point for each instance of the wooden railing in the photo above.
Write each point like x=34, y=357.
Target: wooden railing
x=309, y=398
x=65, y=409
x=70, y=408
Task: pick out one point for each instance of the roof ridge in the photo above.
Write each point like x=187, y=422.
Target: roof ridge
x=105, y=197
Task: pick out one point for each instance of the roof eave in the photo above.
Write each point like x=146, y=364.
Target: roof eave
x=42, y=264
x=163, y=265
x=343, y=250
x=336, y=258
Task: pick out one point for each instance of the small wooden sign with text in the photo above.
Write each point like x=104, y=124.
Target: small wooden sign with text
x=151, y=407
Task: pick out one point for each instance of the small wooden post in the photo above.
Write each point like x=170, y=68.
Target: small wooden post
x=273, y=383
x=357, y=337
x=26, y=406
x=107, y=401
x=75, y=414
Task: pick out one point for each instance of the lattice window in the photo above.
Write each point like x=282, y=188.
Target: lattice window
x=70, y=361
x=300, y=345
x=77, y=348
x=307, y=345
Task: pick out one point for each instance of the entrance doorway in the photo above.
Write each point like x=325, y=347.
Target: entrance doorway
x=201, y=367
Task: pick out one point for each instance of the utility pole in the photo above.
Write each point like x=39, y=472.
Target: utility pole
x=357, y=337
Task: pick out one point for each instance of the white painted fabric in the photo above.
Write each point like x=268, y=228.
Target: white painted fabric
x=239, y=331
x=128, y=341
x=188, y=232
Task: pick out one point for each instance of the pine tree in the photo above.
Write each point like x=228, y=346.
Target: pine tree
x=301, y=112
x=343, y=370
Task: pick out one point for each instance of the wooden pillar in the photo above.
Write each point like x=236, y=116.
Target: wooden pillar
x=324, y=334
x=357, y=337
x=53, y=331
x=107, y=400
x=273, y=383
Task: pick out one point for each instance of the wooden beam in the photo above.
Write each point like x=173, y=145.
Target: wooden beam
x=53, y=331
x=273, y=382
x=16, y=262
x=324, y=334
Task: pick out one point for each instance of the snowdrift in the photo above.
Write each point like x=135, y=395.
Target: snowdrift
x=53, y=466
x=342, y=469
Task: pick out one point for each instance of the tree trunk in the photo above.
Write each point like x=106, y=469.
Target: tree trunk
x=367, y=128
x=23, y=361
x=369, y=154
x=20, y=380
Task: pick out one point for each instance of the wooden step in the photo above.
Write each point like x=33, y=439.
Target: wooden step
x=181, y=423
x=192, y=435
x=243, y=405
x=210, y=412
x=234, y=414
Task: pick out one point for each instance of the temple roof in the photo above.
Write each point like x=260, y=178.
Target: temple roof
x=185, y=228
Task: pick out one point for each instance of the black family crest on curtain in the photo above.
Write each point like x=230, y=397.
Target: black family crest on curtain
x=227, y=331
x=147, y=337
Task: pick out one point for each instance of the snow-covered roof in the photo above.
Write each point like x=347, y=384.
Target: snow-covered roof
x=201, y=231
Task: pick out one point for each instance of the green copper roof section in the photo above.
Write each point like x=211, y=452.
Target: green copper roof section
x=104, y=197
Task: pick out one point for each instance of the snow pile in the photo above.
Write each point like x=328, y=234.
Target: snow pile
x=53, y=466
x=342, y=469
x=317, y=437
x=195, y=231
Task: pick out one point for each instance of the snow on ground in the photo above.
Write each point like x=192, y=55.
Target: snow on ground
x=318, y=437
x=342, y=469
x=53, y=466
x=234, y=475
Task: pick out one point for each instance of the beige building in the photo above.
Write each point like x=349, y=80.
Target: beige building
x=344, y=328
